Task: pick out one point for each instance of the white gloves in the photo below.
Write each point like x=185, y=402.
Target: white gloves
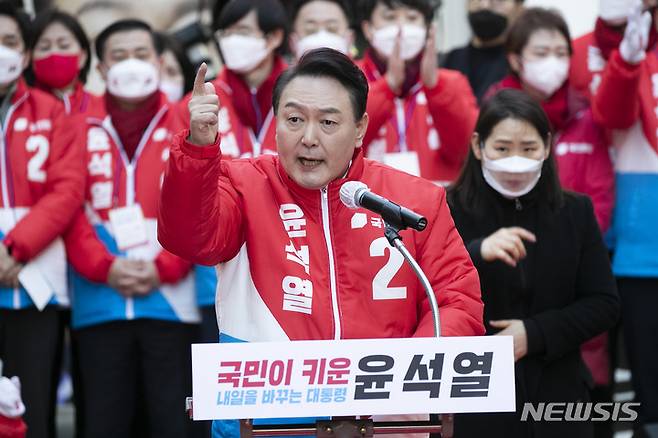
x=636, y=37
x=11, y=405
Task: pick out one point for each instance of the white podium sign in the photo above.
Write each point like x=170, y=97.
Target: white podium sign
x=353, y=377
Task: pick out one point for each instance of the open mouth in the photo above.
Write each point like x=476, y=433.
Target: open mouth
x=309, y=163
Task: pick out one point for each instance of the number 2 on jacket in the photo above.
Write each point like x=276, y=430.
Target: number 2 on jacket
x=380, y=283
x=40, y=144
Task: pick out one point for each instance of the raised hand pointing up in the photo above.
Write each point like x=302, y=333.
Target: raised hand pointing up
x=204, y=109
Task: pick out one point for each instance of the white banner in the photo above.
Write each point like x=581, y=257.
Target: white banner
x=353, y=377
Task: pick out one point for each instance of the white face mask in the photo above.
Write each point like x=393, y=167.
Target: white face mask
x=132, y=79
x=11, y=65
x=413, y=40
x=243, y=53
x=172, y=89
x=321, y=39
x=547, y=74
x=512, y=176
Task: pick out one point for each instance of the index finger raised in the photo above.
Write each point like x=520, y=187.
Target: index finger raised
x=199, y=88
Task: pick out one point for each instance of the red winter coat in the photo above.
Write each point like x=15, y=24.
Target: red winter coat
x=41, y=169
x=298, y=264
x=435, y=123
x=108, y=186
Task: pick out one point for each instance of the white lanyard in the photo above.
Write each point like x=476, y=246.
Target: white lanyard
x=257, y=142
x=130, y=165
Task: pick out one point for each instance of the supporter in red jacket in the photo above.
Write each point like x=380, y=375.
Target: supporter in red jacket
x=61, y=59
x=133, y=304
x=41, y=179
x=251, y=36
x=297, y=263
x=421, y=117
x=538, y=51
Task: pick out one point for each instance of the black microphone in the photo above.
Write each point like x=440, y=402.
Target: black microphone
x=355, y=194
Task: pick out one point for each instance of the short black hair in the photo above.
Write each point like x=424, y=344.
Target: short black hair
x=530, y=21
x=187, y=68
x=332, y=64
x=271, y=15
x=8, y=9
x=124, y=26
x=50, y=16
x=507, y=104
x=426, y=7
x=296, y=5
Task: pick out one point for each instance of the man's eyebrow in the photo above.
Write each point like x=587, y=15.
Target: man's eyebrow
x=327, y=110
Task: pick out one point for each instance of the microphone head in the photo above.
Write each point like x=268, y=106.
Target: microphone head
x=349, y=192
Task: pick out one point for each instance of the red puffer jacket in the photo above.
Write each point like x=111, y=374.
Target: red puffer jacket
x=298, y=264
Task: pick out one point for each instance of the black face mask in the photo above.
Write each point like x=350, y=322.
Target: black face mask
x=487, y=25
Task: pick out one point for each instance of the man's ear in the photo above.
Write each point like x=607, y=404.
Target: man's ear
x=367, y=30
x=102, y=70
x=475, y=146
x=274, y=39
x=82, y=60
x=27, y=58
x=361, y=128
x=349, y=37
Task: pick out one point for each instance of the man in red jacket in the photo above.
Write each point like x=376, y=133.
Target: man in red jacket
x=297, y=263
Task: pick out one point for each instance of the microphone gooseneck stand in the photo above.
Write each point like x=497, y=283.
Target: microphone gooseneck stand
x=350, y=427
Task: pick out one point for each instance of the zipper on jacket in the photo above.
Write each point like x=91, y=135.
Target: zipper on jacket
x=332, y=267
x=518, y=205
x=401, y=124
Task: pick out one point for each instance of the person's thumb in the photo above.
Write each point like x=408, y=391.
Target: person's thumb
x=200, y=88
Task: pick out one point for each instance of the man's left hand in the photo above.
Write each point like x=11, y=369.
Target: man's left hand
x=430, y=63
x=516, y=329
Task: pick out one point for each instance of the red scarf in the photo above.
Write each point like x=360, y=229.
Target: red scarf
x=609, y=37
x=130, y=125
x=556, y=107
x=252, y=115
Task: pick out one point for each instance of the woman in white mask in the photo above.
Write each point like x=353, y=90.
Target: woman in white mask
x=539, y=50
x=251, y=36
x=420, y=116
x=544, y=270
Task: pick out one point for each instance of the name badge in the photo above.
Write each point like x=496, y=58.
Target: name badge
x=128, y=227
x=404, y=161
